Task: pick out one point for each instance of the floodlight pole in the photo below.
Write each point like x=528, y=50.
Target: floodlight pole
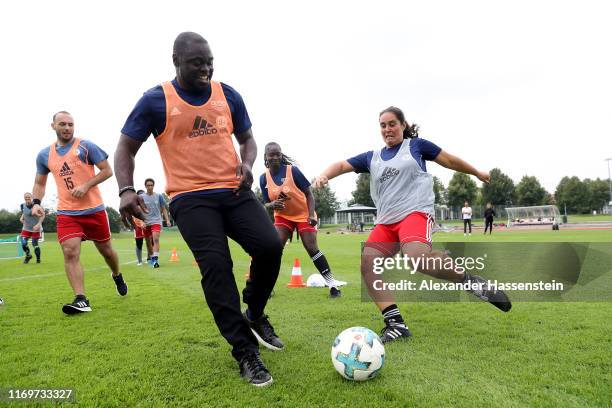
x=609, y=159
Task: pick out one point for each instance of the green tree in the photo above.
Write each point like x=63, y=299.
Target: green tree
x=599, y=193
x=439, y=191
x=9, y=222
x=50, y=221
x=478, y=201
x=530, y=192
x=326, y=203
x=361, y=195
x=560, y=198
x=114, y=219
x=500, y=190
x=573, y=194
x=461, y=188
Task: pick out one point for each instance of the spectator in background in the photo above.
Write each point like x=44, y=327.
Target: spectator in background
x=466, y=213
x=488, y=216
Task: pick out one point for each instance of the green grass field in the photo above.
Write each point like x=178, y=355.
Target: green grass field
x=159, y=346
x=571, y=219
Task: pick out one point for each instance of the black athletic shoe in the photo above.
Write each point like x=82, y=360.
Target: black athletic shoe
x=335, y=293
x=392, y=332
x=80, y=304
x=27, y=259
x=122, y=287
x=489, y=294
x=263, y=330
x=254, y=371
x=38, y=261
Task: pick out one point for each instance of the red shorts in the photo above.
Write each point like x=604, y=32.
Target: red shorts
x=292, y=225
x=92, y=227
x=139, y=232
x=30, y=234
x=150, y=229
x=416, y=227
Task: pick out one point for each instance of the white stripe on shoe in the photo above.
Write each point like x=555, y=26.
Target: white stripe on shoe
x=264, y=343
x=265, y=384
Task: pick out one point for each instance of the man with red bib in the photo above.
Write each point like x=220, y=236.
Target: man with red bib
x=192, y=119
x=80, y=213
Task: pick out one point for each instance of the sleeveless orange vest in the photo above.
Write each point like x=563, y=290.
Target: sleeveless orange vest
x=196, y=147
x=69, y=172
x=296, y=206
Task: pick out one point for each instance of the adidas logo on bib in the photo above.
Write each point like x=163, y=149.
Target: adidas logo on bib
x=387, y=174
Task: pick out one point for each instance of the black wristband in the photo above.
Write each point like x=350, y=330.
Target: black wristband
x=126, y=188
x=36, y=201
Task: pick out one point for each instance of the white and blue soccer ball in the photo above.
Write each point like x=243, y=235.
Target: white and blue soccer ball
x=358, y=354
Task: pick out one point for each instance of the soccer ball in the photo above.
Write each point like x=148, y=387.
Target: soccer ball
x=358, y=354
x=1, y=301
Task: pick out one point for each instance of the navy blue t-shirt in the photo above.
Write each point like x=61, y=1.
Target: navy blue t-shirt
x=149, y=115
x=279, y=177
x=420, y=149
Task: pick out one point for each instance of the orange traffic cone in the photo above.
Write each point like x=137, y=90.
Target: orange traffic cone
x=174, y=256
x=296, y=276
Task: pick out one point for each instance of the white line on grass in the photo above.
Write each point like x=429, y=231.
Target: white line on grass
x=21, y=257
x=56, y=273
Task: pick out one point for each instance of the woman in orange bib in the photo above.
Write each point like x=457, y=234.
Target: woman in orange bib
x=287, y=191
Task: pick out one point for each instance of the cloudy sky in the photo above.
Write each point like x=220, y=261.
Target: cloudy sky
x=524, y=86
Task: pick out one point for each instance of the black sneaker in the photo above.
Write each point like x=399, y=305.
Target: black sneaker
x=80, y=304
x=38, y=261
x=254, y=370
x=263, y=330
x=122, y=287
x=335, y=292
x=27, y=259
x=489, y=293
x=392, y=331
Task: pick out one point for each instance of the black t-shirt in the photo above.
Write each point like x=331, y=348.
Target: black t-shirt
x=490, y=213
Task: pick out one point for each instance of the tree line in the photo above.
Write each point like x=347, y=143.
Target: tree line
x=9, y=221
x=578, y=196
